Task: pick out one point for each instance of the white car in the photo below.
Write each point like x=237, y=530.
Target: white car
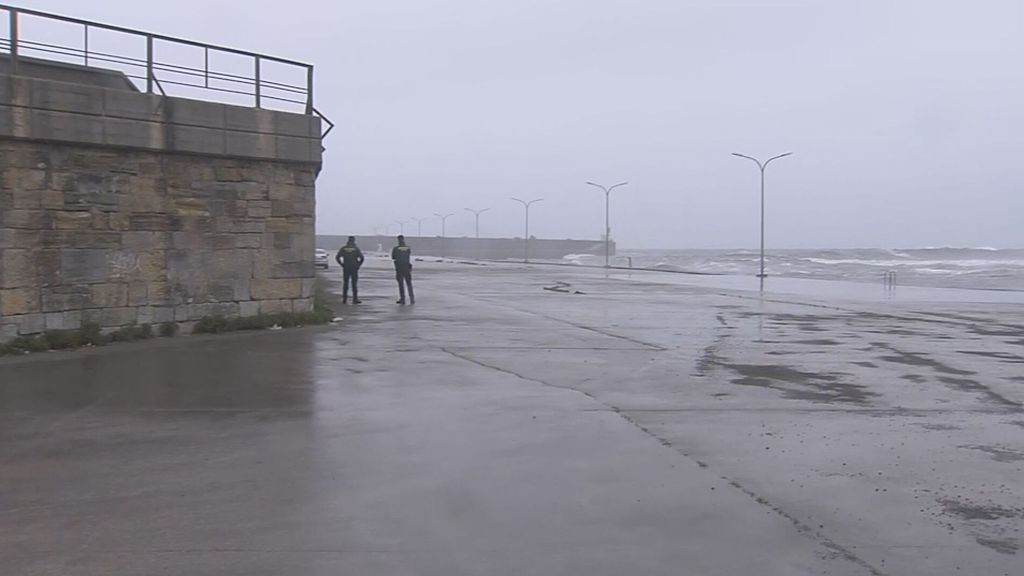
x=322, y=259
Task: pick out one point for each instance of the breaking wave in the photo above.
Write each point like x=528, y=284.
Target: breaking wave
x=947, y=266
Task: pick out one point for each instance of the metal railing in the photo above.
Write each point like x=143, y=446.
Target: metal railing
x=154, y=73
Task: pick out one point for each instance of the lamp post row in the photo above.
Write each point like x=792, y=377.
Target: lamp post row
x=762, y=166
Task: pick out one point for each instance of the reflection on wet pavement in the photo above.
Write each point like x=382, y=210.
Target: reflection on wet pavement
x=497, y=427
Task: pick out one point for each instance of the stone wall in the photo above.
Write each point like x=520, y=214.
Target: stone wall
x=121, y=208
x=120, y=237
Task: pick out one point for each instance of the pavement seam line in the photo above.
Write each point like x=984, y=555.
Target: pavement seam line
x=802, y=528
x=648, y=345
x=482, y=364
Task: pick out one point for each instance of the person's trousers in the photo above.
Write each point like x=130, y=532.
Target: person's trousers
x=353, y=277
x=404, y=278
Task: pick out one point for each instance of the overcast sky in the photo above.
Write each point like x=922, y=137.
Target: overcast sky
x=904, y=117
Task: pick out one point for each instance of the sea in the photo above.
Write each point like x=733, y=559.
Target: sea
x=945, y=267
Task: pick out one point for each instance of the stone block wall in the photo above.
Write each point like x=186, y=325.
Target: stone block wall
x=118, y=237
x=120, y=208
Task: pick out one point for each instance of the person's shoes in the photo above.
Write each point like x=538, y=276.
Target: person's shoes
x=400, y=302
x=413, y=301
x=344, y=300
x=357, y=301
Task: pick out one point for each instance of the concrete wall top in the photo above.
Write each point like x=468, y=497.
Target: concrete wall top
x=47, y=110
x=67, y=72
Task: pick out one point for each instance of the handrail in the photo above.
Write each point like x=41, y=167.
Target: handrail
x=112, y=28
x=253, y=84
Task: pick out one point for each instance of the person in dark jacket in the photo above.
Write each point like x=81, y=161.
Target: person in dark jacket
x=350, y=258
x=402, y=256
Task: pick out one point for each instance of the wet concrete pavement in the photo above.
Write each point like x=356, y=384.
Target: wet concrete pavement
x=501, y=428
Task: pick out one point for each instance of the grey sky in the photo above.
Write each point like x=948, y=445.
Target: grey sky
x=904, y=116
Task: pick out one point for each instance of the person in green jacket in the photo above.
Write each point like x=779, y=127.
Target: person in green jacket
x=402, y=256
x=350, y=258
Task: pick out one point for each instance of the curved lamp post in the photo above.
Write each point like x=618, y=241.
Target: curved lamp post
x=526, y=238
x=444, y=219
x=419, y=225
x=477, y=214
x=762, y=166
x=607, y=218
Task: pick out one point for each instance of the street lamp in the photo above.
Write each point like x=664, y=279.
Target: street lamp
x=762, y=166
x=607, y=219
x=419, y=225
x=401, y=226
x=526, y=205
x=477, y=214
x=444, y=218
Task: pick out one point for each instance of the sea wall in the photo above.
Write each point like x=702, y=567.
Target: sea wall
x=121, y=208
x=478, y=248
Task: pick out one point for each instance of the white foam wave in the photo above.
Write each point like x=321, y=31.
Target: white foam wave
x=916, y=263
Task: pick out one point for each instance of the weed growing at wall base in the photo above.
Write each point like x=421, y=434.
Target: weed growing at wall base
x=87, y=335
x=220, y=324
x=92, y=335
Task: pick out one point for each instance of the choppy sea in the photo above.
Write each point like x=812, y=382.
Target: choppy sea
x=969, y=268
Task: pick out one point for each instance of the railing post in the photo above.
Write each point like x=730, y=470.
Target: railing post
x=86, y=52
x=206, y=69
x=309, y=90
x=259, y=95
x=149, y=64
x=14, y=39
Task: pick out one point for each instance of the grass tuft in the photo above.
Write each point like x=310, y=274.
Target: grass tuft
x=92, y=335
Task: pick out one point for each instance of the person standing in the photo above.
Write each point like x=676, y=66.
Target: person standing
x=402, y=256
x=350, y=258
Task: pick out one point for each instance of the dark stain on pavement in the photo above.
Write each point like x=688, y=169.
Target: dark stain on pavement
x=1003, y=546
x=967, y=511
x=896, y=332
x=938, y=427
x=708, y=360
x=1005, y=356
x=800, y=385
x=1012, y=331
x=917, y=359
x=973, y=386
x=998, y=453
